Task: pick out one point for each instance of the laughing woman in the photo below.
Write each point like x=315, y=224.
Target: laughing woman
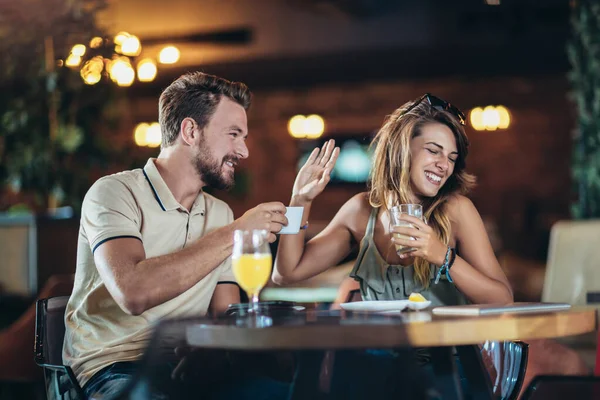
x=419, y=157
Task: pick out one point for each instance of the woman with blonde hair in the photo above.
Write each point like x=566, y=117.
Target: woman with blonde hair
x=419, y=158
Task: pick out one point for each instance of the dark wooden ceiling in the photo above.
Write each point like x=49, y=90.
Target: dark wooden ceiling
x=519, y=37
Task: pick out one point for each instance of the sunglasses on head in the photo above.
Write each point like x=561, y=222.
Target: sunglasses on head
x=439, y=104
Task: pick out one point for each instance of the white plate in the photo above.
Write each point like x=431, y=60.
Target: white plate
x=383, y=305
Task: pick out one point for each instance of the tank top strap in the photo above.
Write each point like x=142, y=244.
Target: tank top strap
x=371, y=223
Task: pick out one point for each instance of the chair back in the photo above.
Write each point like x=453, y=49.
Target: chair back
x=49, y=338
x=50, y=330
x=506, y=364
x=573, y=259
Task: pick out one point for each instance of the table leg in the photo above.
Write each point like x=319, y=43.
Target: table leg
x=480, y=384
x=306, y=380
x=447, y=379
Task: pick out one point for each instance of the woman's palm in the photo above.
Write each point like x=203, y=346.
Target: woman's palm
x=315, y=173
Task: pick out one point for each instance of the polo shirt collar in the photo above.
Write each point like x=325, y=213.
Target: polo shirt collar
x=161, y=191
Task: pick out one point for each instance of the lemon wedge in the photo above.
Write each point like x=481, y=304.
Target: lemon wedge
x=417, y=297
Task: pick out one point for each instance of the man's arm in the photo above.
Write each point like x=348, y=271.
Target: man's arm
x=138, y=283
x=225, y=293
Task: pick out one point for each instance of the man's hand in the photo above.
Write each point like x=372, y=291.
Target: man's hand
x=315, y=173
x=267, y=216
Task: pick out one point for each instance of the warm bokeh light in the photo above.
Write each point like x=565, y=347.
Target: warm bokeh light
x=111, y=62
x=91, y=72
x=120, y=68
x=296, y=126
x=490, y=118
x=96, y=64
x=314, y=126
x=146, y=134
x=122, y=72
x=153, y=137
x=131, y=46
x=121, y=37
x=96, y=42
x=78, y=50
x=169, y=55
x=477, y=119
x=504, y=117
x=146, y=70
x=139, y=134
x=126, y=77
x=73, y=60
x=310, y=127
x=91, y=78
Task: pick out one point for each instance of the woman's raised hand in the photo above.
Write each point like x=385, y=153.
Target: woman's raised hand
x=315, y=173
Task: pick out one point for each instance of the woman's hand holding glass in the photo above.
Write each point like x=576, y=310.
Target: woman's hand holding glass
x=426, y=243
x=316, y=172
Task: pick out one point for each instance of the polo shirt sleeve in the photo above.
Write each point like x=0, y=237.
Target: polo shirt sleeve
x=109, y=211
x=225, y=271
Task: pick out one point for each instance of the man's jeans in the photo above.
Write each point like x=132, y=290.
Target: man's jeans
x=111, y=382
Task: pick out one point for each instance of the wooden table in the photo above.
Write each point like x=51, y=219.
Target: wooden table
x=327, y=330
x=310, y=333
x=437, y=330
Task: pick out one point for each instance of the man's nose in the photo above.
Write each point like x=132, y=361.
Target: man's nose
x=242, y=150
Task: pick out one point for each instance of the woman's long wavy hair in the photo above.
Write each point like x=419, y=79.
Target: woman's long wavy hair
x=389, y=181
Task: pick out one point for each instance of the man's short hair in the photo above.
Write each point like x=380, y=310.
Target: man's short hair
x=195, y=95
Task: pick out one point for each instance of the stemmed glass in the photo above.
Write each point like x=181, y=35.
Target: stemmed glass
x=251, y=262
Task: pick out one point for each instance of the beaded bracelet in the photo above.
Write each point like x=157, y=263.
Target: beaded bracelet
x=445, y=267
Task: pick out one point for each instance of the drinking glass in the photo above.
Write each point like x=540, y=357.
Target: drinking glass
x=416, y=210
x=251, y=263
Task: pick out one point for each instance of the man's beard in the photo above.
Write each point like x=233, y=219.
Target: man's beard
x=211, y=171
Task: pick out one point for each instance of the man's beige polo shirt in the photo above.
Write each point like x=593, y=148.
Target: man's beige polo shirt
x=136, y=204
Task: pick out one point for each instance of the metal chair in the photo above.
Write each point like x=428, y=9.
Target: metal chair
x=506, y=365
x=49, y=336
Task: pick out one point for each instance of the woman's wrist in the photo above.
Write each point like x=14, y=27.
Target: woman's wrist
x=445, y=265
x=441, y=257
x=298, y=201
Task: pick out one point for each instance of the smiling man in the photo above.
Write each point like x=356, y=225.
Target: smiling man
x=152, y=244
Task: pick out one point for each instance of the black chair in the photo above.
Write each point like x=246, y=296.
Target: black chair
x=554, y=387
x=49, y=337
x=522, y=369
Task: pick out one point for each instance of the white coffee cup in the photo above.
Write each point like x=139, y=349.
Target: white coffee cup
x=294, y=216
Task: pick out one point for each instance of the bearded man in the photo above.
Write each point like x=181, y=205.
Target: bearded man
x=152, y=244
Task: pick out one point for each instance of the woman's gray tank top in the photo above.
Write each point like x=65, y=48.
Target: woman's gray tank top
x=382, y=281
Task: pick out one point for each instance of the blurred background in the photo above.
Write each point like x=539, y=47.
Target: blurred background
x=80, y=80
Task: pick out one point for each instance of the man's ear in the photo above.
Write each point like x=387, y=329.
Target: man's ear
x=189, y=131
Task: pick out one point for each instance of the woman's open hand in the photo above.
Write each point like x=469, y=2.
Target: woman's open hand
x=315, y=173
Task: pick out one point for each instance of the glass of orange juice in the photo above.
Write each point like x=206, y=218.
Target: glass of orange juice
x=251, y=262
